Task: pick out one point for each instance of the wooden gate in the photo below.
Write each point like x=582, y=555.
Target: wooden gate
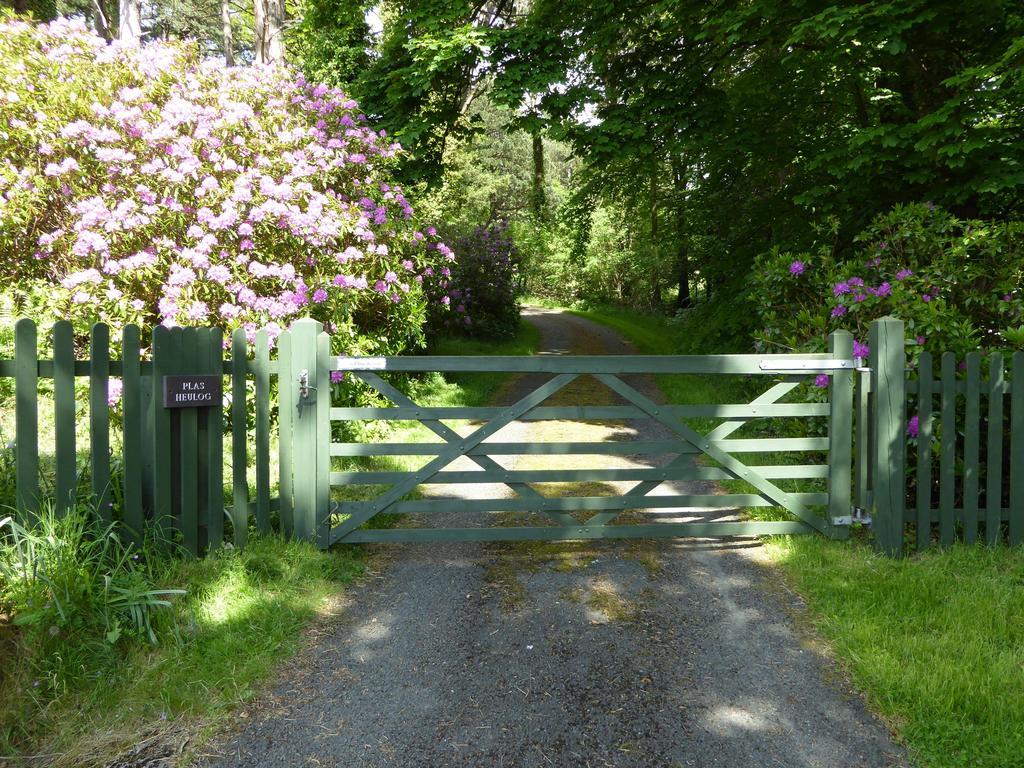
x=687, y=455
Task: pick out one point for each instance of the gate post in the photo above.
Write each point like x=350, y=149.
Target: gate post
x=311, y=399
x=888, y=382
x=840, y=434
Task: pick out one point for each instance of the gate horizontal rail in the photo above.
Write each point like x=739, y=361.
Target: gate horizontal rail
x=778, y=472
x=736, y=445
x=584, y=503
x=582, y=532
x=585, y=412
x=610, y=364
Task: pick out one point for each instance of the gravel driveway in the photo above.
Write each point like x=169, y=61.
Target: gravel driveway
x=672, y=653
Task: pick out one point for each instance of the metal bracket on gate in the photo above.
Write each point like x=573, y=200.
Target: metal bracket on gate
x=304, y=390
x=859, y=517
x=807, y=365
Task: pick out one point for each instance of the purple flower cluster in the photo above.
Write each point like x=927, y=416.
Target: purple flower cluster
x=191, y=194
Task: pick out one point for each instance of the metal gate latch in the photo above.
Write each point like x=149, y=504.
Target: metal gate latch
x=859, y=517
x=304, y=390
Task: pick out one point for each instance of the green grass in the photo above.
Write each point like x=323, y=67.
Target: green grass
x=935, y=641
x=243, y=613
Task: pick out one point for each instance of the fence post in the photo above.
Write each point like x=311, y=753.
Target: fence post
x=304, y=379
x=840, y=433
x=26, y=414
x=888, y=382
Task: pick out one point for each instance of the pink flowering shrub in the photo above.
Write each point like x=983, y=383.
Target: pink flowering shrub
x=144, y=186
x=957, y=285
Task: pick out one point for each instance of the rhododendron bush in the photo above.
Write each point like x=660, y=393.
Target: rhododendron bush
x=144, y=186
x=957, y=285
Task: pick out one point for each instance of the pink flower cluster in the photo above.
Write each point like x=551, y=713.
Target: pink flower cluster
x=191, y=194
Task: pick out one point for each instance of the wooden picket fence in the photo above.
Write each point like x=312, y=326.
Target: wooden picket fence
x=172, y=469
x=960, y=478
x=962, y=475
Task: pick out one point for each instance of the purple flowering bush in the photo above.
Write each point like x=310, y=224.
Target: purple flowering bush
x=958, y=285
x=144, y=186
x=481, y=296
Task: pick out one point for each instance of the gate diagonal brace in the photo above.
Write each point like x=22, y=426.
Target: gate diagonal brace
x=720, y=432
x=445, y=432
x=453, y=451
x=732, y=465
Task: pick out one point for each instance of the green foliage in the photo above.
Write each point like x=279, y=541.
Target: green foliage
x=41, y=10
x=956, y=284
x=732, y=128
x=487, y=175
x=431, y=60
x=76, y=591
x=331, y=41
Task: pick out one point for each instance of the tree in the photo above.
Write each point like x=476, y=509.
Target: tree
x=331, y=39
x=129, y=29
x=269, y=31
x=227, y=33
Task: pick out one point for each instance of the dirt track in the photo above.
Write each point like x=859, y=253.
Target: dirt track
x=649, y=654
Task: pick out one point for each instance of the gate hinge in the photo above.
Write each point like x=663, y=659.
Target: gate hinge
x=858, y=517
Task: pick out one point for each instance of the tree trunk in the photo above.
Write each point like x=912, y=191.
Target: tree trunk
x=269, y=23
x=101, y=20
x=655, y=237
x=129, y=30
x=259, y=15
x=228, y=33
x=538, y=198
x=684, y=299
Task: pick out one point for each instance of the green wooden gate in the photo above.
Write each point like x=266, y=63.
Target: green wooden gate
x=692, y=455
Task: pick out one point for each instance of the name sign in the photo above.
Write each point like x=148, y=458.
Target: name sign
x=192, y=391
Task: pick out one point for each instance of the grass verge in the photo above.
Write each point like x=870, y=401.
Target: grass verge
x=935, y=641
x=243, y=614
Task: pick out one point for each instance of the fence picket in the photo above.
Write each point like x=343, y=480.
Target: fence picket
x=99, y=418
x=947, y=459
x=322, y=383
x=285, y=413
x=994, y=455
x=26, y=415
x=888, y=361
x=188, y=520
x=66, y=485
x=132, y=513
x=201, y=447
x=924, y=451
x=165, y=361
x=1017, y=451
x=239, y=436
x=972, y=429
x=262, y=372
x=215, y=442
